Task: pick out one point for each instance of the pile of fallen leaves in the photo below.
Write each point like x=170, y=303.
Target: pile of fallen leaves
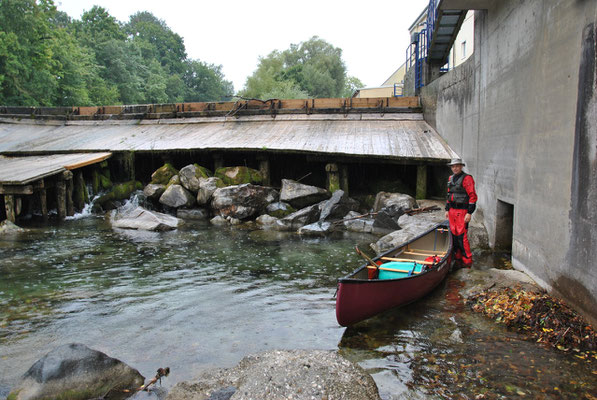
x=545, y=319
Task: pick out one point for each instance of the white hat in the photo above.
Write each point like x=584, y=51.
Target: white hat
x=456, y=161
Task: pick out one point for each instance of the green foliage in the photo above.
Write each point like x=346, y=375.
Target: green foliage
x=309, y=69
x=47, y=59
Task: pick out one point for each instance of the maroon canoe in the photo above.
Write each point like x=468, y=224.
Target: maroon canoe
x=362, y=295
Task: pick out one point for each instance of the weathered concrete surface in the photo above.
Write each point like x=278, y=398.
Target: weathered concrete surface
x=521, y=112
x=295, y=374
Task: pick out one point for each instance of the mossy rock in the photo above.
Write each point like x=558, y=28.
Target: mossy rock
x=105, y=182
x=162, y=175
x=106, y=172
x=121, y=191
x=175, y=180
x=202, y=172
x=239, y=175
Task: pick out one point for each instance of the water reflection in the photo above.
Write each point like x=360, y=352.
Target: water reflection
x=203, y=297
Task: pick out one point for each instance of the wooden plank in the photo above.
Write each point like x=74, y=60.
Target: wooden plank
x=407, y=260
x=88, y=110
x=88, y=161
x=16, y=189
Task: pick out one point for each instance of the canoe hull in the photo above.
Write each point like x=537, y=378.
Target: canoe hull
x=359, y=299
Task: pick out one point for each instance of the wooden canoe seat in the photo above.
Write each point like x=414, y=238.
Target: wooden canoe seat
x=417, y=253
x=407, y=260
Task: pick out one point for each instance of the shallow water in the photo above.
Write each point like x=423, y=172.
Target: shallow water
x=203, y=297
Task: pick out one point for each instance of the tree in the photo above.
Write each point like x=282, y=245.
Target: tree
x=352, y=84
x=206, y=82
x=309, y=69
x=157, y=41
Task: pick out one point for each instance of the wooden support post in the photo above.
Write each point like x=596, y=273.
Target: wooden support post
x=344, y=178
x=421, y=182
x=9, y=205
x=333, y=177
x=43, y=201
x=218, y=161
x=70, y=207
x=125, y=162
x=264, y=169
x=61, y=199
x=79, y=191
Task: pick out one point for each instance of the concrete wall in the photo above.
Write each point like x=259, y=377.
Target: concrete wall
x=521, y=112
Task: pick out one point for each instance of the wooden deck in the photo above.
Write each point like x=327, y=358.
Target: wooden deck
x=391, y=137
x=24, y=170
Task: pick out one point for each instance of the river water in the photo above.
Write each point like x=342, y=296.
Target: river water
x=202, y=297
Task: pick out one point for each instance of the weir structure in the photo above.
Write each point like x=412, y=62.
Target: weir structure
x=340, y=143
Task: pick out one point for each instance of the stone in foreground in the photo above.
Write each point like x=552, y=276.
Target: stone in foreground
x=74, y=371
x=177, y=196
x=296, y=374
x=141, y=219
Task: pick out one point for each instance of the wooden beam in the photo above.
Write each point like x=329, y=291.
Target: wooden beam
x=16, y=189
x=43, y=203
x=407, y=260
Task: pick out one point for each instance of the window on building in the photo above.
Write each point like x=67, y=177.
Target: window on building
x=463, y=49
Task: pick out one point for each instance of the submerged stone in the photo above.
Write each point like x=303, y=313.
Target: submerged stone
x=7, y=226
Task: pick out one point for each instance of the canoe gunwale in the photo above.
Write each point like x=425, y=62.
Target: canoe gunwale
x=348, y=278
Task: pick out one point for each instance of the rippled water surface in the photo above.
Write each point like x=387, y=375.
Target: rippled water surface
x=203, y=297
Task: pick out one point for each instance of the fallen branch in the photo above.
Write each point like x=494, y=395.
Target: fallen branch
x=162, y=372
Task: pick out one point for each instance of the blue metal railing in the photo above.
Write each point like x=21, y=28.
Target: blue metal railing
x=398, y=90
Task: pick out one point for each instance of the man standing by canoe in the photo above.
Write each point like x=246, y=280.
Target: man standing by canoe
x=462, y=201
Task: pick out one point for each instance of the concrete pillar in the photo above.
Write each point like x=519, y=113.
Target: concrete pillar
x=344, y=178
x=218, y=161
x=421, y=182
x=9, y=206
x=61, y=198
x=333, y=177
x=264, y=169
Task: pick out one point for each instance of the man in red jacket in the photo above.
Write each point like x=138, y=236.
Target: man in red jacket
x=462, y=201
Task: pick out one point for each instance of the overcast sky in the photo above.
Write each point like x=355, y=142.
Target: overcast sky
x=373, y=34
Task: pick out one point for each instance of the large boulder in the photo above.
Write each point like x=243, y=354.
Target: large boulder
x=207, y=186
x=153, y=191
x=74, y=371
x=163, y=174
x=355, y=222
x=385, y=199
x=337, y=206
x=302, y=217
x=141, y=219
x=242, y=201
x=294, y=374
x=191, y=175
x=299, y=195
x=238, y=175
x=177, y=196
